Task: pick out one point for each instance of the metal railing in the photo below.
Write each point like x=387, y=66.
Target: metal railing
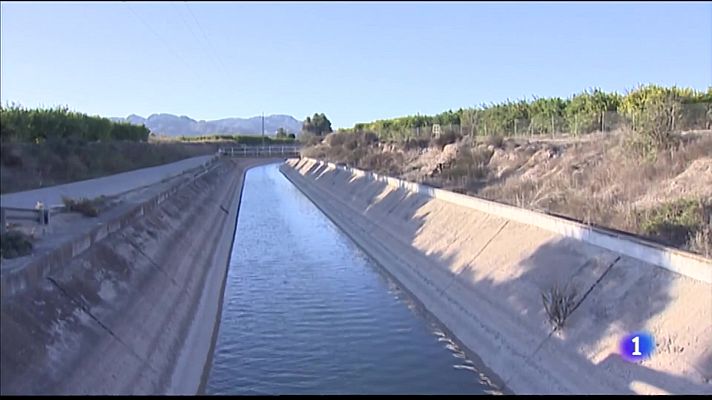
x=39, y=215
x=260, y=151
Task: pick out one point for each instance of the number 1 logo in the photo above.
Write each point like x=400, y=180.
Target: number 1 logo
x=636, y=351
x=637, y=346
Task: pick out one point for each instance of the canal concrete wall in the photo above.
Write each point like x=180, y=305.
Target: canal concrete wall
x=104, y=186
x=136, y=311
x=481, y=267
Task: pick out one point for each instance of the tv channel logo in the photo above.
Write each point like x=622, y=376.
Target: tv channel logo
x=637, y=346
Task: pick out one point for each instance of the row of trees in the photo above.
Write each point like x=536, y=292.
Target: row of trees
x=282, y=134
x=19, y=124
x=243, y=139
x=581, y=113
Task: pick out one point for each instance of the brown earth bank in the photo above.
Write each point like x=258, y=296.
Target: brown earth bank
x=136, y=312
x=599, y=179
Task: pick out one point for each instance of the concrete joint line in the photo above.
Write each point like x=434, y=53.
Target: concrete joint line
x=150, y=260
x=595, y=284
x=501, y=228
x=84, y=308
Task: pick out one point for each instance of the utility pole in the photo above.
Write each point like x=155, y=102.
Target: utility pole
x=263, y=129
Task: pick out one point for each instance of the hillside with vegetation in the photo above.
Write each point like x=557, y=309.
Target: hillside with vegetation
x=640, y=162
x=587, y=112
x=46, y=147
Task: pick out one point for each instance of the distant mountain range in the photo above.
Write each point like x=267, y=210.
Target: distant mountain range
x=173, y=125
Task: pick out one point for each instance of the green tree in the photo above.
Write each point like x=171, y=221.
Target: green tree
x=584, y=113
x=281, y=133
x=318, y=124
x=37, y=125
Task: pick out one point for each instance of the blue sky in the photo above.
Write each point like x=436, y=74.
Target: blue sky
x=355, y=62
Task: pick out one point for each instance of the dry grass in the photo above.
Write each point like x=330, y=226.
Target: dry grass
x=15, y=244
x=608, y=181
x=559, y=303
x=701, y=241
x=358, y=150
x=86, y=207
x=599, y=183
x=494, y=140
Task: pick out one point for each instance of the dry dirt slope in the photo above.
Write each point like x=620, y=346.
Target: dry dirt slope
x=598, y=179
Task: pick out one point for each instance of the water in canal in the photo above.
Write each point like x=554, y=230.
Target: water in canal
x=307, y=312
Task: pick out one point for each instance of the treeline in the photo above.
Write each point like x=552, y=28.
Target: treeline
x=582, y=113
x=20, y=125
x=241, y=139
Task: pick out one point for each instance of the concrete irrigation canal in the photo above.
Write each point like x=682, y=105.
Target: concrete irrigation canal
x=305, y=311
x=331, y=280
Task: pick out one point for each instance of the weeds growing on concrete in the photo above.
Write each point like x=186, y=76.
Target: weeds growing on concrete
x=15, y=244
x=86, y=207
x=559, y=303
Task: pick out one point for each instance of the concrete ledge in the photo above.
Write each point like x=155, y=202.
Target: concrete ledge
x=681, y=262
x=18, y=279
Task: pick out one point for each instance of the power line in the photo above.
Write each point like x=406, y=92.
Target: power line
x=192, y=33
x=207, y=40
x=165, y=43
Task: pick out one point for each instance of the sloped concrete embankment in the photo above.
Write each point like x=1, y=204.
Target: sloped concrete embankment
x=480, y=268
x=136, y=311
